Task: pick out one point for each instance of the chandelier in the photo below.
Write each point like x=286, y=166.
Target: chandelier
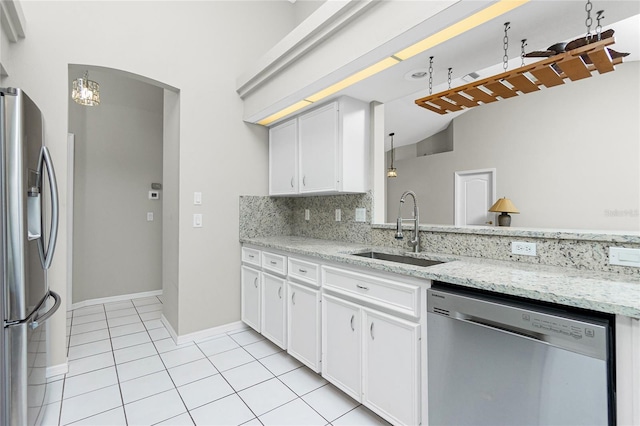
x=85, y=92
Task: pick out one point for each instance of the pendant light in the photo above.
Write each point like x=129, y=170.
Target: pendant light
x=391, y=171
x=85, y=92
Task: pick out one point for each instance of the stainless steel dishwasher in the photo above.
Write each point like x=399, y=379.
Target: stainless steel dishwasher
x=494, y=360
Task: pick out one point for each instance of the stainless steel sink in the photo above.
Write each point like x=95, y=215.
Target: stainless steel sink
x=398, y=258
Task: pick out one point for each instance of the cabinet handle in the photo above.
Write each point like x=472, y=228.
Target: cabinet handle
x=255, y=282
x=273, y=262
x=280, y=292
x=302, y=271
x=352, y=327
x=362, y=287
x=292, y=182
x=371, y=331
x=293, y=297
x=304, y=181
x=251, y=256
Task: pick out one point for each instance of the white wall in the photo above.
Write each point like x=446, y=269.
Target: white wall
x=118, y=154
x=199, y=48
x=303, y=8
x=563, y=155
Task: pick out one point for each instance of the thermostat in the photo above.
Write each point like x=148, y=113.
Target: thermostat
x=154, y=195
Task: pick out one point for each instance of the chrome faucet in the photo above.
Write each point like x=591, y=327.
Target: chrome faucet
x=415, y=242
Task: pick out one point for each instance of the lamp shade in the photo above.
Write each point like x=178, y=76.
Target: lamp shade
x=504, y=205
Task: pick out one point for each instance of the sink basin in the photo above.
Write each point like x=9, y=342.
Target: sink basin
x=398, y=258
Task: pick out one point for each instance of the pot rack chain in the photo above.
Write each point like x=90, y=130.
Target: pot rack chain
x=430, y=75
x=505, y=45
x=589, y=21
x=523, y=44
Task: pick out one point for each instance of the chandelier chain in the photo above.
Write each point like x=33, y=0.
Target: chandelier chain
x=523, y=44
x=430, y=75
x=599, y=17
x=589, y=21
x=505, y=45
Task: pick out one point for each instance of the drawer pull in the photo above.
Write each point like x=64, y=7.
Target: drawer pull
x=304, y=181
x=255, y=282
x=362, y=287
x=293, y=297
x=280, y=292
x=292, y=182
x=371, y=331
x=273, y=262
x=302, y=271
x=352, y=318
x=251, y=256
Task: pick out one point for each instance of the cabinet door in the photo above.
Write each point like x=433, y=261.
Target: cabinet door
x=341, y=345
x=283, y=157
x=391, y=369
x=274, y=309
x=318, y=132
x=303, y=329
x=250, y=289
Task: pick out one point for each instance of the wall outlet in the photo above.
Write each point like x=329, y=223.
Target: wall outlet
x=624, y=256
x=338, y=215
x=523, y=249
x=307, y=214
x=149, y=216
x=361, y=214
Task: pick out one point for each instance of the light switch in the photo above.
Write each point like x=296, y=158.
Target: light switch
x=307, y=214
x=197, y=198
x=338, y=215
x=197, y=220
x=149, y=216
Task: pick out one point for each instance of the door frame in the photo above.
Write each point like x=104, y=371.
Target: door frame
x=457, y=213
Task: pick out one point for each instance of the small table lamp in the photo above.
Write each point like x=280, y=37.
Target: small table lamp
x=504, y=206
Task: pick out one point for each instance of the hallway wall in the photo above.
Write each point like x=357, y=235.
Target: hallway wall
x=118, y=154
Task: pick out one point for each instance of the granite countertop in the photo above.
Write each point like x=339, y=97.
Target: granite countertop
x=603, y=292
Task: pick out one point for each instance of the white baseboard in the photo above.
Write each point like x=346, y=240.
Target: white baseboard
x=111, y=299
x=57, y=370
x=202, y=334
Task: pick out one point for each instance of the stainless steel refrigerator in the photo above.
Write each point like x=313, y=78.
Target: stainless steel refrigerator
x=28, y=232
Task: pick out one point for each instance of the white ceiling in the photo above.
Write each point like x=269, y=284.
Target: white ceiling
x=542, y=23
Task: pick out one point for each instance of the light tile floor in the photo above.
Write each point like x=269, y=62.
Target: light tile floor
x=124, y=369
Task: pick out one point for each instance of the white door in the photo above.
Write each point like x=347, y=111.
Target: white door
x=283, y=158
x=474, y=196
x=341, y=345
x=303, y=325
x=274, y=326
x=250, y=296
x=318, y=131
x=391, y=368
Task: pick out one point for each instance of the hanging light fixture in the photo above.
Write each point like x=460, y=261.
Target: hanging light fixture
x=85, y=92
x=391, y=171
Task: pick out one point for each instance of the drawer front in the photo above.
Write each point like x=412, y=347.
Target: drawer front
x=251, y=256
x=389, y=294
x=274, y=263
x=306, y=272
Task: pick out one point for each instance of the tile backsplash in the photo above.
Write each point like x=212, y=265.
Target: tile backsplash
x=269, y=216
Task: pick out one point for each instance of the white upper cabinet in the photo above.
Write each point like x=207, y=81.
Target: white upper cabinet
x=330, y=150
x=283, y=159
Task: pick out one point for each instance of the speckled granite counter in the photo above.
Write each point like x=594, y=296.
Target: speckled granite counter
x=604, y=292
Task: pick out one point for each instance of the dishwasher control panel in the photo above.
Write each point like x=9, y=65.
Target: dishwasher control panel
x=571, y=332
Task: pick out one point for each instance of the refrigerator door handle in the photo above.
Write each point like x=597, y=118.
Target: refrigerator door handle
x=45, y=162
x=41, y=319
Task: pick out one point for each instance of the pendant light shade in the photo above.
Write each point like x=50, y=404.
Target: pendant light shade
x=391, y=171
x=85, y=92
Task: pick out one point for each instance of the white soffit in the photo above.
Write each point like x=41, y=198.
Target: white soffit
x=12, y=20
x=326, y=20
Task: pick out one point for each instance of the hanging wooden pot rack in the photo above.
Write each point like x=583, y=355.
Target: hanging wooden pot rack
x=549, y=72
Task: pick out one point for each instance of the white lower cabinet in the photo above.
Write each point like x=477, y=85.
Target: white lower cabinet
x=391, y=367
x=303, y=324
x=274, y=312
x=250, y=296
x=374, y=358
x=342, y=345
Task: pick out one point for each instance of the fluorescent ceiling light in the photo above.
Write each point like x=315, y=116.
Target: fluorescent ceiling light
x=278, y=115
x=460, y=27
x=478, y=18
